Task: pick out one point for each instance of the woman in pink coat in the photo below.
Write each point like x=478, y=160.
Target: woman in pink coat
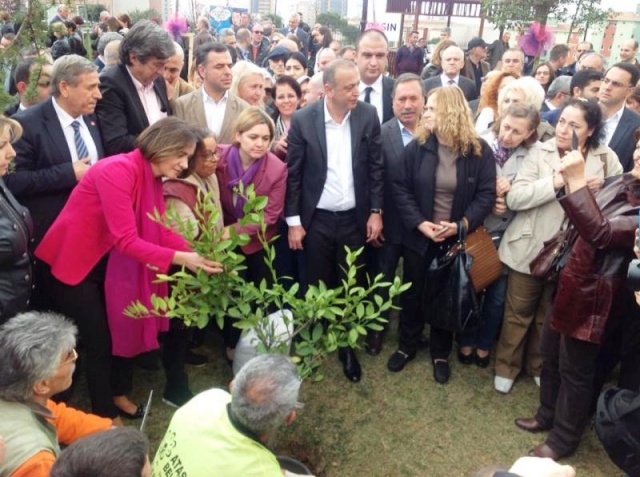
x=104, y=252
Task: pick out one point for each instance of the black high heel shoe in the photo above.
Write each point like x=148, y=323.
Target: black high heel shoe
x=481, y=362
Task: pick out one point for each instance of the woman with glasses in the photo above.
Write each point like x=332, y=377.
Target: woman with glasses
x=590, y=301
x=539, y=216
x=183, y=196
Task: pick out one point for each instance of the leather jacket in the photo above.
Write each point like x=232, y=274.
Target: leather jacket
x=595, y=271
x=16, y=230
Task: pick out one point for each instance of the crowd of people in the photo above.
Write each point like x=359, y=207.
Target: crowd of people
x=351, y=150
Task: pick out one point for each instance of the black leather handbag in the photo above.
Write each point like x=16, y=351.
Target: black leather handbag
x=453, y=302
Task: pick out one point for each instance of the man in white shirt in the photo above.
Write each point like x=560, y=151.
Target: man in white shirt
x=372, y=50
x=335, y=182
x=212, y=105
x=134, y=93
x=619, y=121
x=61, y=139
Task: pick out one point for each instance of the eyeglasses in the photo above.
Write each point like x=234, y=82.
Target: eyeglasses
x=258, y=32
x=615, y=84
x=210, y=156
x=72, y=357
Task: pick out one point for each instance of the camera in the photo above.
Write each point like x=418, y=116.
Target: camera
x=633, y=275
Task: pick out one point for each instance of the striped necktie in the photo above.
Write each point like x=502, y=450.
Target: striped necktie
x=81, y=147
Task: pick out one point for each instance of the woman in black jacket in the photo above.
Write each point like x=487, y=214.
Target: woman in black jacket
x=15, y=234
x=449, y=178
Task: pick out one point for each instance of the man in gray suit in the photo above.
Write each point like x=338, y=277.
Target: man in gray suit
x=452, y=62
x=212, y=105
x=408, y=103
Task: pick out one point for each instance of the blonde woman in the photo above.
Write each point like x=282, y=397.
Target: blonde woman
x=449, y=178
x=16, y=229
x=248, y=83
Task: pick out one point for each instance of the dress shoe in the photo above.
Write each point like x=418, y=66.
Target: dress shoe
x=373, y=343
x=481, y=362
x=503, y=385
x=543, y=450
x=138, y=414
x=398, y=360
x=530, y=424
x=350, y=364
x=441, y=370
x=465, y=358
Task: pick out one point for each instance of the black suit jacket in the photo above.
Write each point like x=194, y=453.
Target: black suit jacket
x=387, y=98
x=120, y=110
x=307, y=161
x=11, y=110
x=392, y=149
x=467, y=86
x=302, y=35
x=415, y=184
x=623, y=142
x=43, y=177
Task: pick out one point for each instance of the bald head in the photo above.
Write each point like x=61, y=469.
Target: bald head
x=288, y=44
x=326, y=56
x=452, y=61
x=316, y=89
x=628, y=51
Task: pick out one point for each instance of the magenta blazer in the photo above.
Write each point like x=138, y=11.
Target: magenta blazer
x=100, y=216
x=269, y=181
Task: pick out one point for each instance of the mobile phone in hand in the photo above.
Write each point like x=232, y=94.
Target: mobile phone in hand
x=441, y=231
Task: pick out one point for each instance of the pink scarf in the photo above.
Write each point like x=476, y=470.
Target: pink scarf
x=128, y=280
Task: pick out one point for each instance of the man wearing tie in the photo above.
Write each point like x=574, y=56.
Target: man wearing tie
x=452, y=61
x=372, y=50
x=60, y=141
x=335, y=182
x=134, y=94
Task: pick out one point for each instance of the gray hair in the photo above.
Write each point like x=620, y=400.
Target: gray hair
x=31, y=345
x=107, y=38
x=264, y=392
x=559, y=85
x=242, y=70
x=112, y=53
x=68, y=68
x=146, y=39
x=530, y=87
x=120, y=451
x=329, y=73
x=453, y=48
x=225, y=32
x=589, y=54
x=178, y=50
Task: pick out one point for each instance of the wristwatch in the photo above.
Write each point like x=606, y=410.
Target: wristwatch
x=376, y=211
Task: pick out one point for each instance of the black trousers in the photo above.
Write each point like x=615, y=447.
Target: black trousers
x=566, y=387
x=415, y=306
x=85, y=305
x=385, y=260
x=324, y=245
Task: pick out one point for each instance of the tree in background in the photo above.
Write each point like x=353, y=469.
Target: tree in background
x=340, y=28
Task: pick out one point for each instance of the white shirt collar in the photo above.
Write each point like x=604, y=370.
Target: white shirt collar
x=139, y=86
x=616, y=117
x=209, y=99
x=329, y=119
x=376, y=85
x=65, y=118
x=445, y=79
